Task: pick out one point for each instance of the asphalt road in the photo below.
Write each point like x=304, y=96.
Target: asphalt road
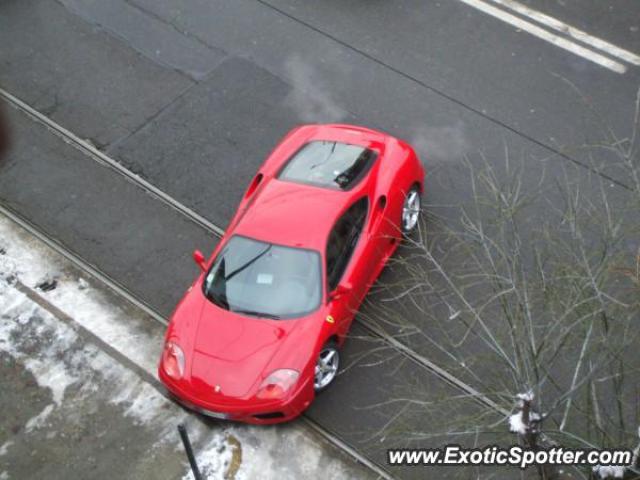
x=192, y=96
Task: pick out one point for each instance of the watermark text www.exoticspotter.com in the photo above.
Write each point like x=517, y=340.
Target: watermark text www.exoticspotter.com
x=515, y=455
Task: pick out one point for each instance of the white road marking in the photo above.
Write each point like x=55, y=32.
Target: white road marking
x=573, y=32
x=543, y=34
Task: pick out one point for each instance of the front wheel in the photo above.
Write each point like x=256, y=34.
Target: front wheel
x=411, y=211
x=327, y=366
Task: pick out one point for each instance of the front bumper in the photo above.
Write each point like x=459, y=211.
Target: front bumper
x=241, y=410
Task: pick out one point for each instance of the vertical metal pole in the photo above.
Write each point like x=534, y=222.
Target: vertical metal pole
x=189, y=450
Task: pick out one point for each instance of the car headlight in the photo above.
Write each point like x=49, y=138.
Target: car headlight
x=278, y=384
x=173, y=360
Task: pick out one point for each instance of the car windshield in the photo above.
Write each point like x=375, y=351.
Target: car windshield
x=329, y=164
x=264, y=280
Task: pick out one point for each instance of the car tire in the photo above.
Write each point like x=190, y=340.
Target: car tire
x=327, y=366
x=410, y=211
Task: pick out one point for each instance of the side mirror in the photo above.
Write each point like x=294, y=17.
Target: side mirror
x=341, y=290
x=198, y=257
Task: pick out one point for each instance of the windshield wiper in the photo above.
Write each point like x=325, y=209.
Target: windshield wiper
x=247, y=264
x=254, y=313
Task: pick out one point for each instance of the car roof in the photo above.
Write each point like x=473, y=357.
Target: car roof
x=300, y=214
x=295, y=214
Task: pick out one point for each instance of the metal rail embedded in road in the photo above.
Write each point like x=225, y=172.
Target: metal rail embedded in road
x=90, y=150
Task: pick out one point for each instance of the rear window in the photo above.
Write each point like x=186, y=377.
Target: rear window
x=329, y=164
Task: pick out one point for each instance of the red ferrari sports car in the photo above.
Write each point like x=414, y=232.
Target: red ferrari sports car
x=257, y=335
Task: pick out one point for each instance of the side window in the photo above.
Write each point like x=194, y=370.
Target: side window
x=343, y=240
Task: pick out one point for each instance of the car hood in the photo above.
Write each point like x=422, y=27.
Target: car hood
x=231, y=352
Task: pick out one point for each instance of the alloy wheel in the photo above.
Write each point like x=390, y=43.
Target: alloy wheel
x=326, y=367
x=411, y=211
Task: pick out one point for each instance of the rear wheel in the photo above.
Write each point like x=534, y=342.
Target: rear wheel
x=327, y=366
x=411, y=211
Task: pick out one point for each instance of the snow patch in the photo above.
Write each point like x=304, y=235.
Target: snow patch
x=108, y=322
x=5, y=447
x=74, y=296
x=516, y=425
x=213, y=460
x=54, y=376
x=516, y=421
x=58, y=358
x=143, y=402
x=30, y=264
x=51, y=351
x=609, y=471
x=23, y=325
x=39, y=420
x=526, y=397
